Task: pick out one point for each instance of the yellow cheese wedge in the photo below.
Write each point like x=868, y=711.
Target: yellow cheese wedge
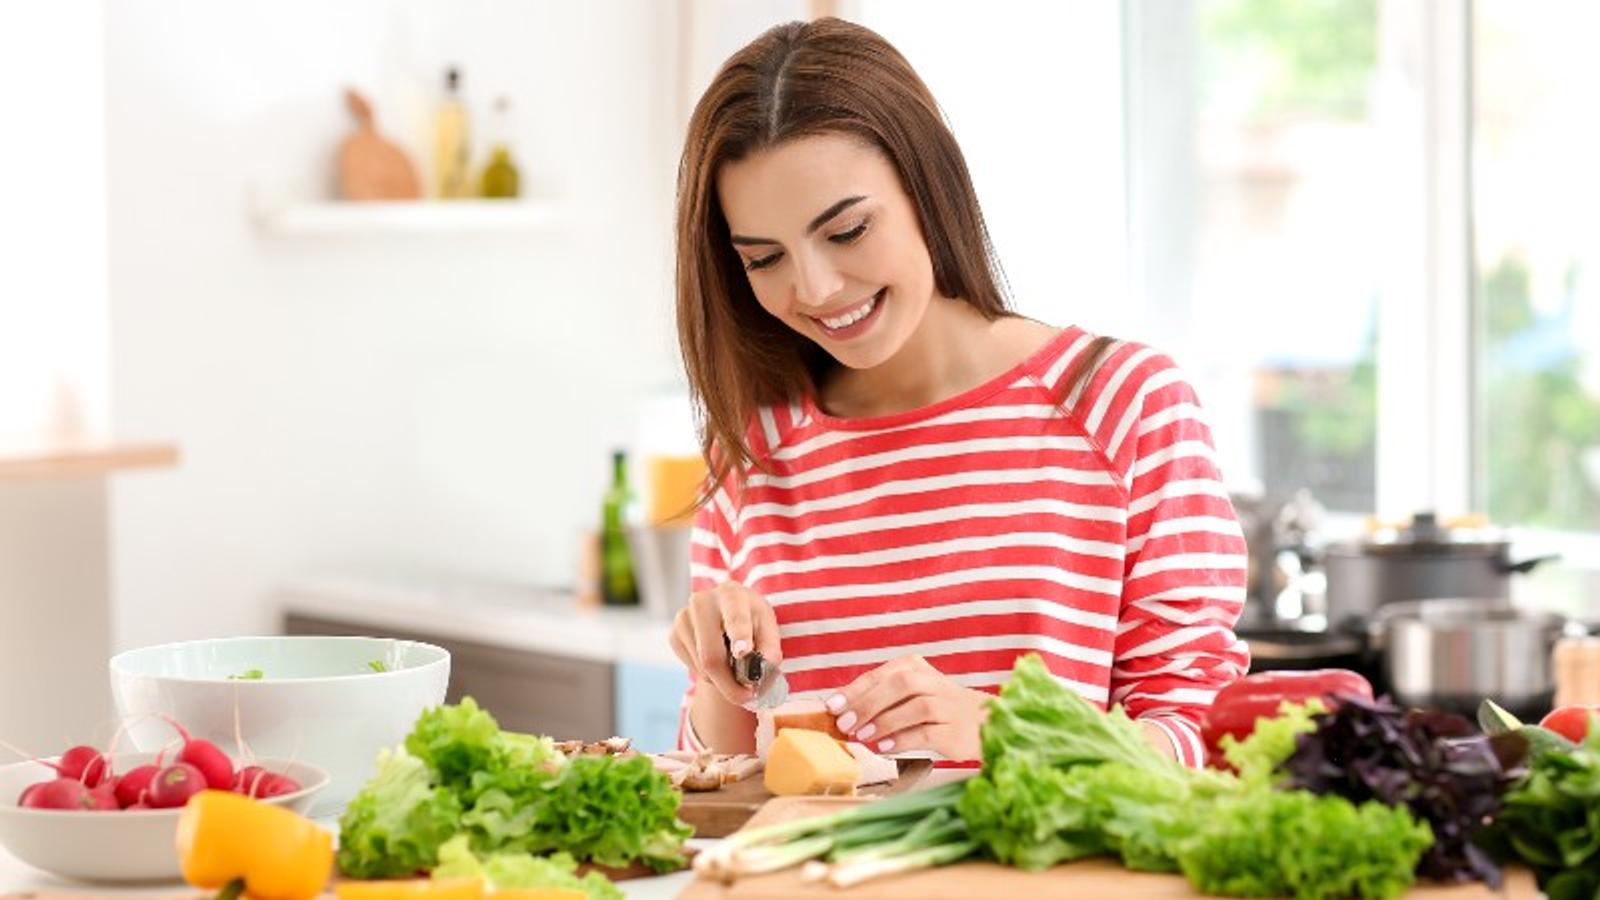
x=809, y=762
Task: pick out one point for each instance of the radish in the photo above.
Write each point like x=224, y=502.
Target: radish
x=205, y=757
x=28, y=791
x=174, y=785
x=62, y=793
x=132, y=785
x=104, y=798
x=83, y=763
x=254, y=781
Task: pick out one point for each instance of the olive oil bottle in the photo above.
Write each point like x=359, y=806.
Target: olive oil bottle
x=500, y=178
x=619, y=585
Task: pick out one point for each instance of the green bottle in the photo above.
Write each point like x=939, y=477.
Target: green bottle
x=500, y=177
x=618, y=586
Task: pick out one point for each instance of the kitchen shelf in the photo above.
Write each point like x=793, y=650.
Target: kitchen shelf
x=403, y=217
x=47, y=462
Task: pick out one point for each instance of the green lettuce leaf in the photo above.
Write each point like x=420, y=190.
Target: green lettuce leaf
x=394, y=826
x=503, y=871
x=1272, y=741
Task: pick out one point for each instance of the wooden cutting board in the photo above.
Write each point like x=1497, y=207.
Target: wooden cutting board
x=719, y=813
x=1084, y=880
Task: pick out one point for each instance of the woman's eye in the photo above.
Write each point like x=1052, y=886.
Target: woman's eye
x=846, y=237
x=761, y=262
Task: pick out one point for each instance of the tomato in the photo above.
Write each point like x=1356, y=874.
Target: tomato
x=1571, y=722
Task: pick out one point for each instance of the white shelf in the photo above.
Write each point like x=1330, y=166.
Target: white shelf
x=403, y=217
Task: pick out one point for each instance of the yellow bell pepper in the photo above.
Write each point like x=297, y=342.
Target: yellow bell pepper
x=225, y=837
x=415, y=889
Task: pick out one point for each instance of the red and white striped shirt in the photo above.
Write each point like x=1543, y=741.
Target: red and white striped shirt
x=991, y=525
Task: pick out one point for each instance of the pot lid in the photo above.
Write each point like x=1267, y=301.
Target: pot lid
x=1424, y=533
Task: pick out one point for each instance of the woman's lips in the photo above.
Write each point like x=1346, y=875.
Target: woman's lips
x=854, y=321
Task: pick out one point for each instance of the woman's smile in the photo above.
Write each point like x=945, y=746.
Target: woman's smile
x=853, y=321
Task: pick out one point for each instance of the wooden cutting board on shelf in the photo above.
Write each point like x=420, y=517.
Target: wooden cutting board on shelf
x=1085, y=880
x=719, y=813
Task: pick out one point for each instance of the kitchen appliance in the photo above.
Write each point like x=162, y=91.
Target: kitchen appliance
x=1422, y=560
x=1452, y=653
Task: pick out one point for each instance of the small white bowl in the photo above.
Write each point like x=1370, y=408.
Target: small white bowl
x=126, y=845
x=318, y=699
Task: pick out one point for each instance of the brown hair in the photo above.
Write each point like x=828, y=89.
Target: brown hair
x=798, y=80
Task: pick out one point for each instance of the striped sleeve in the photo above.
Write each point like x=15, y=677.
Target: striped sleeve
x=708, y=567
x=1184, y=566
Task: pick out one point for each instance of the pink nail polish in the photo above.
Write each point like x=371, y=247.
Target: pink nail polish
x=867, y=730
x=846, y=721
x=740, y=648
x=885, y=745
x=835, y=704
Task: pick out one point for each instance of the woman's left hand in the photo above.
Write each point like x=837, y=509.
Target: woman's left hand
x=907, y=704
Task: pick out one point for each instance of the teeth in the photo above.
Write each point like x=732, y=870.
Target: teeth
x=851, y=317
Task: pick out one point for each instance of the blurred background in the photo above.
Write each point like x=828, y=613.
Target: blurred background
x=233, y=400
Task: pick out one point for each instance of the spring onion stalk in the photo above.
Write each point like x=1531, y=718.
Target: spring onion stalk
x=730, y=858
x=853, y=873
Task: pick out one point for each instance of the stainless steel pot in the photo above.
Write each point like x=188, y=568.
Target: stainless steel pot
x=1452, y=653
x=1423, y=560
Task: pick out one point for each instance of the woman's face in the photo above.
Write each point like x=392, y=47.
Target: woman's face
x=830, y=244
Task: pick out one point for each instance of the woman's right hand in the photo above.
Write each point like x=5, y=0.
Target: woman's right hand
x=728, y=609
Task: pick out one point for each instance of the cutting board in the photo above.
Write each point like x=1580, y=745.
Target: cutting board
x=1085, y=880
x=719, y=813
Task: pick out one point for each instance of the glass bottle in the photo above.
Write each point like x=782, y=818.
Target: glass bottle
x=450, y=152
x=618, y=584
x=500, y=178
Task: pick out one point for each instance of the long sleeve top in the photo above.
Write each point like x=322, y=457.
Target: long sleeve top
x=1095, y=532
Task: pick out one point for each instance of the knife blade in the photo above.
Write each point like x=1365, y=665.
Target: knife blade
x=752, y=670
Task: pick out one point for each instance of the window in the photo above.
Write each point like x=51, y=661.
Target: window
x=1255, y=144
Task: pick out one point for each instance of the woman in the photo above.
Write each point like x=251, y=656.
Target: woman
x=913, y=485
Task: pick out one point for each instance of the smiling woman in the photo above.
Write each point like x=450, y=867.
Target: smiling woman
x=911, y=485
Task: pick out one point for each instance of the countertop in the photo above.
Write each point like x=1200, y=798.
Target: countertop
x=510, y=616
x=16, y=875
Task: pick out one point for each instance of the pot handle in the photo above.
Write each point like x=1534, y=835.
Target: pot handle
x=1527, y=565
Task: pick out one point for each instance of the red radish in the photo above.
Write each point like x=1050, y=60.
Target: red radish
x=211, y=761
x=174, y=785
x=254, y=781
x=206, y=757
x=83, y=763
x=104, y=798
x=134, y=807
x=29, y=790
x=62, y=793
x=134, y=783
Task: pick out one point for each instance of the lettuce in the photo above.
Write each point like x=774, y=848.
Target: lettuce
x=394, y=826
x=520, y=871
x=505, y=792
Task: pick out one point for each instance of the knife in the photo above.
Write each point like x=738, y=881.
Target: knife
x=752, y=671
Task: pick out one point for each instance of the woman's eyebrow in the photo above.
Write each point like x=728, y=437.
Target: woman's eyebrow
x=821, y=219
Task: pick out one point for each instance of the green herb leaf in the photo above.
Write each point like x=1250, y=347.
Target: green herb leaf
x=377, y=665
x=248, y=675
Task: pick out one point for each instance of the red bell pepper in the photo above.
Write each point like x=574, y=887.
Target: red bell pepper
x=1258, y=696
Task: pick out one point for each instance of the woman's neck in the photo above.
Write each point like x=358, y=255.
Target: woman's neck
x=953, y=350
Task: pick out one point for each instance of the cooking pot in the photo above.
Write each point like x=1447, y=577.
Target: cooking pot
x=1420, y=561
x=1452, y=653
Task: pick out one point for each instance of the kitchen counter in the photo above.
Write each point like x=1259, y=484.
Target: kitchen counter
x=16, y=875
x=509, y=616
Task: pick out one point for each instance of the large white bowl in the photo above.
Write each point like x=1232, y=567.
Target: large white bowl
x=129, y=845
x=319, y=700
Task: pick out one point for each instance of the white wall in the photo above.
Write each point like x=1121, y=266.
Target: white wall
x=427, y=403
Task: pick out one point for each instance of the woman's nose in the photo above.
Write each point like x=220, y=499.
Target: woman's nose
x=816, y=281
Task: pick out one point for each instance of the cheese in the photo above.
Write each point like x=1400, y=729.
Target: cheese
x=809, y=762
x=810, y=719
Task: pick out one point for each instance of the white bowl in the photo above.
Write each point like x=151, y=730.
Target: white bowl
x=318, y=699
x=128, y=845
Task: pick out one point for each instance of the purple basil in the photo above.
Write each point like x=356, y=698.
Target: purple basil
x=1435, y=763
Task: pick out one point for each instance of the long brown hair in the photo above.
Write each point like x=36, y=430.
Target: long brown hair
x=802, y=79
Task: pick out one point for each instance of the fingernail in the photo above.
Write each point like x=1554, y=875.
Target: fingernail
x=836, y=704
x=740, y=648
x=866, y=731
x=845, y=721
x=885, y=745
